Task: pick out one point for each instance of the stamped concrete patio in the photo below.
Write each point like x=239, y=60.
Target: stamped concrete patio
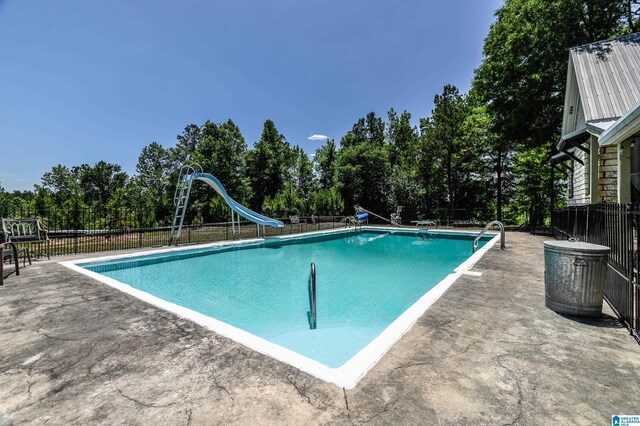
x=74, y=351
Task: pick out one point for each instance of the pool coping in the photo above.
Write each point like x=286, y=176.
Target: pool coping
x=345, y=376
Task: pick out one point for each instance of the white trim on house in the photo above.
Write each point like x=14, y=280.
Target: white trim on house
x=623, y=129
x=597, y=127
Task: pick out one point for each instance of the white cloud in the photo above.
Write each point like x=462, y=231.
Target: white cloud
x=318, y=138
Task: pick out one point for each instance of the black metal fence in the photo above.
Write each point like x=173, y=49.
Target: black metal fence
x=447, y=217
x=88, y=231
x=615, y=226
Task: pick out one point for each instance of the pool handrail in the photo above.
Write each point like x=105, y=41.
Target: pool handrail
x=486, y=228
x=312, y=297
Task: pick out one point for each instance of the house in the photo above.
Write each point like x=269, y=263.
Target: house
x=600, y=144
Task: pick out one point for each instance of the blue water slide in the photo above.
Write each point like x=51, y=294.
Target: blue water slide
x=235, y=206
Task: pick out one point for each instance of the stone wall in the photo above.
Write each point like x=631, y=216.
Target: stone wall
x=580, y=179
x=608, y=175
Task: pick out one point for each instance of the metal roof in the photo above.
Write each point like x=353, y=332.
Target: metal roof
x=608, y=75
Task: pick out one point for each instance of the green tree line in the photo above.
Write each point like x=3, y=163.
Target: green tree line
x=485, y=152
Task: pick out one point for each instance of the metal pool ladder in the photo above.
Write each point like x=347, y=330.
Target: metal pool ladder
x=486, y=228
x=312, y=297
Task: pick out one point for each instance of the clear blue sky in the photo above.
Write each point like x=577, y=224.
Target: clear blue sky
x=83, y=81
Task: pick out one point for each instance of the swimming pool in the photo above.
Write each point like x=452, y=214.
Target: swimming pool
x=371, y=286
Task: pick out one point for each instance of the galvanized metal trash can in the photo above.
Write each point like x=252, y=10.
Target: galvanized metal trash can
x=574, y=277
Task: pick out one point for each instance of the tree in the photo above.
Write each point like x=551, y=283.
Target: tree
x=325, y=164
x=100, y=182
x=444, y=138
x=153, y=173
x=403, y=139
x=404, y=189
x=522, y=77
x=268, y=164
x=632, y=11
x=4, y=203
x=285, y=202
x=485, y=161
x=303, y=178
x=63, y=184
x=404, y=182
x=219, y=149
x=223, y=150
x=187, y=144
x=523, y=74
x=328, y=202
x=126, y=208
x=533, y=176
x=369, y=129
x=363, y=166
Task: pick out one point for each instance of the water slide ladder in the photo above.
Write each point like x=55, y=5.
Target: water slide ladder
x=181, y=199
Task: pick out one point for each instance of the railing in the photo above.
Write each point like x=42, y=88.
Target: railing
x=353, y=221
x=78, y=231
x=615, y=226
x=486, y=228
x=312, y=297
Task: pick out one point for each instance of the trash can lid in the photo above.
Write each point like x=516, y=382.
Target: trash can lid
x=576, y=245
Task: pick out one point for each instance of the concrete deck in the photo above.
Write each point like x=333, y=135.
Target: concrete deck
x=74, y=351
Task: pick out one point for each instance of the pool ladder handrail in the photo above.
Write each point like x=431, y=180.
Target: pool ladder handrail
x=351, y=220
x=312, y=297
x=486, y=228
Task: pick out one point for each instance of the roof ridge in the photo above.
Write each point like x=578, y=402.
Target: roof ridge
x=609, y=40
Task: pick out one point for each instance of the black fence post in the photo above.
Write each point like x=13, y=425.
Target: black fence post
x=140, y=228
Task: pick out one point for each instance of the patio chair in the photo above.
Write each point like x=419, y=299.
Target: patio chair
x=425, y=222
x=9, y=250
x=295, y=220
x=26, y=232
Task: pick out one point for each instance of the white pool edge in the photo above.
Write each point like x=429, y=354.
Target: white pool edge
x=345, y=376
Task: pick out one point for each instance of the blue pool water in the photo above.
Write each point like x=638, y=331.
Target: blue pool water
x=364, y=282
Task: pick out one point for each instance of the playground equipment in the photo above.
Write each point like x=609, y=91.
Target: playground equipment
x=193, y=171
